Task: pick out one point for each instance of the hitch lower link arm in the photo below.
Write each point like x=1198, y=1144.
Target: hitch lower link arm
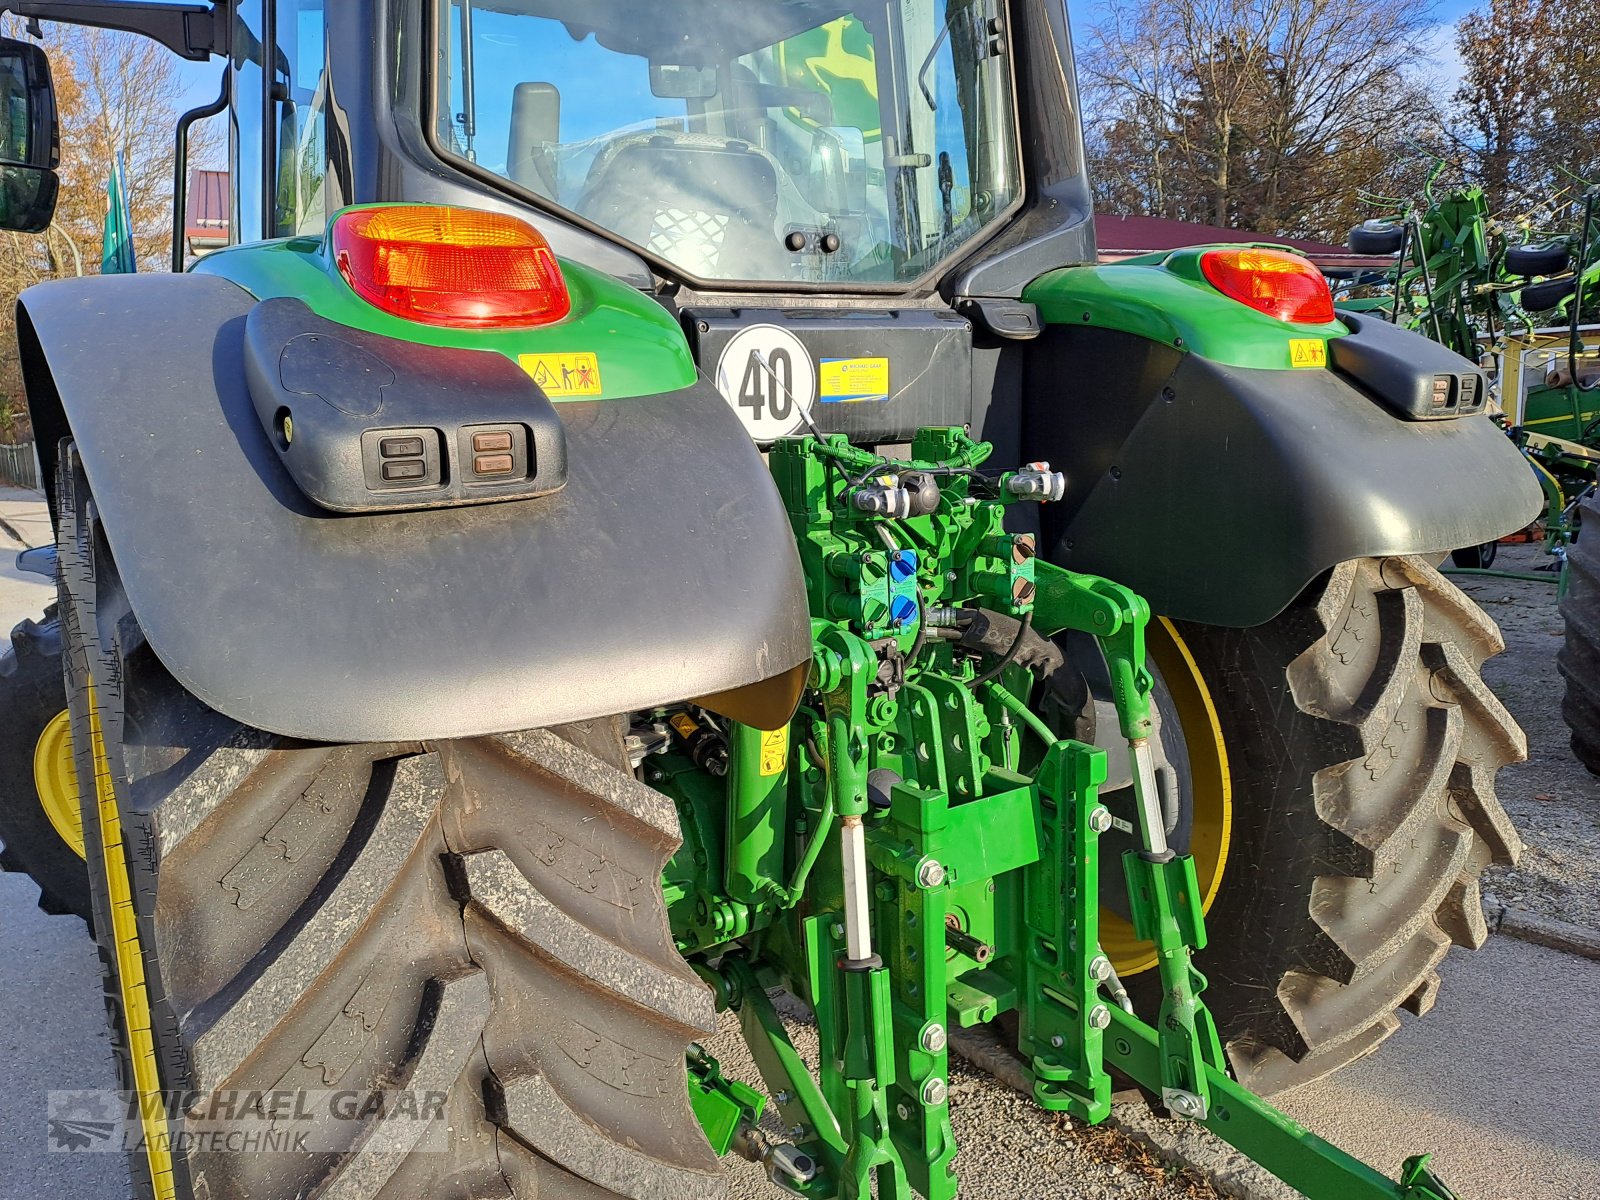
x=1164, y=894
x=841, y=667
x=1183, y=1052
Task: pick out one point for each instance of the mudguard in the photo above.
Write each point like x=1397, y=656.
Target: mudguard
x=664, y=570
x=1220, y=492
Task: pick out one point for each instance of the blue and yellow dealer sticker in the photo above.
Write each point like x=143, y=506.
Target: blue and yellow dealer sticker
x=575, y=374
x=852, y=380
x=1308, y=352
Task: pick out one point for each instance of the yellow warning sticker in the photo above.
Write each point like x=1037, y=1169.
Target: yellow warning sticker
x=852, y=380
x=774, y=751
x=576, y=374
x=1308, y=352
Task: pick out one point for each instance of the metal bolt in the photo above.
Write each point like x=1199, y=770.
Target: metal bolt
x=1057, y=1040
x=791, y=1162
x=797, y=1132
x=837, y=930
x=930, y=873
x=1099, y=1017
x=781, y=1098
x=934, y=1039
x=1100, y=818
x=935, y=1091
x=1183, y=1104
x=903, y=1111
x=1100, y=968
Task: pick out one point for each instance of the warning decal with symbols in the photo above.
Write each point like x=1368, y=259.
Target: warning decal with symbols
x=576, y=374
x=1308, y=352
x=774, y=751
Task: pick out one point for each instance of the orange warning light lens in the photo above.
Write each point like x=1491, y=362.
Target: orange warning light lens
x=451, y=266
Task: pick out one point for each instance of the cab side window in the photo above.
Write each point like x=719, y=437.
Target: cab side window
x=245, y=112
x=301, y=201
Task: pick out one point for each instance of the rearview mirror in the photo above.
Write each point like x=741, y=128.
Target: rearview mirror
x=27, y=198
x=30, y=145
x=671, y=81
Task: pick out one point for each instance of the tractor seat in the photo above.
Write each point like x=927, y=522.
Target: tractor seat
x=706, y=204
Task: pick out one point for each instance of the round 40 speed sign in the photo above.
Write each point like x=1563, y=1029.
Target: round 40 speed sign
x=768, y=378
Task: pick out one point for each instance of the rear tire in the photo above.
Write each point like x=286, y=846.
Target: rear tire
x=1579, y=659
x=32, y=694
x=1363, y=746
x=479, y=920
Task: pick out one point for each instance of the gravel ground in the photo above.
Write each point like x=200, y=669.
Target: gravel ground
x=1554, y=802
x=1007, y=1148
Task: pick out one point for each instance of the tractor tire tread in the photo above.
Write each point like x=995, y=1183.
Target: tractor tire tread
x=1579, y=657
x=31, y=696
x=304, y=929
x=1362, y=714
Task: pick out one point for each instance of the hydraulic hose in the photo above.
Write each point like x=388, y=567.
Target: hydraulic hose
x=1029, y=719
x=790, y=895
x=1010, y=655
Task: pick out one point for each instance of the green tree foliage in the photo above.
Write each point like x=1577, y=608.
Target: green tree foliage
x=1268, y=115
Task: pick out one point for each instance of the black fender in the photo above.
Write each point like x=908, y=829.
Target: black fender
x=1219, y=493
x=664, y=570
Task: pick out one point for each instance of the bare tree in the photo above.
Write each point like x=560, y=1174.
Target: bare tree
x=117, y=94
x=1528, y=109
x=1257, y=114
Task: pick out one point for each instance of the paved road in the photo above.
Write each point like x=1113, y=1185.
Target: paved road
x=52, y=1037
x=52, y=1024
x=1502, y=1080
x=23, y=523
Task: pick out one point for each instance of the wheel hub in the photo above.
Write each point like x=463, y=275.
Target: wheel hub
x=56, y=781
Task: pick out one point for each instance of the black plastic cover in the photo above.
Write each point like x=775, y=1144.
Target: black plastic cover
x=1219, y=493
x=928, y=352
x=1417, y=378
x=335, y=401
x=665, y=569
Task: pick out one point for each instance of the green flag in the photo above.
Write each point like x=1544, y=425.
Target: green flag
x=116, y=243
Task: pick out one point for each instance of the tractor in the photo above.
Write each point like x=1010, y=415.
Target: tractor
x=661, y=505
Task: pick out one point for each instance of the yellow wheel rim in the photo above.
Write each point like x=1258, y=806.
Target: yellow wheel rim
x=56, y=781
x=130, y=969
x=1210, y=784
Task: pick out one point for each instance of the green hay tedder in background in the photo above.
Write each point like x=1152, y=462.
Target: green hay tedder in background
x=1526, y=302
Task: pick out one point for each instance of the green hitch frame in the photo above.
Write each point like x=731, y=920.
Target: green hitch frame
x=931, y=879
x=758, y=767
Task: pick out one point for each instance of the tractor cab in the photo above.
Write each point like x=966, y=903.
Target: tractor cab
x=810, y=145
x=831, y=196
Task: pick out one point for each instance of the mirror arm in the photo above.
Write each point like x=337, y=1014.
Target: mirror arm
x=194, y=31
x=180, y=165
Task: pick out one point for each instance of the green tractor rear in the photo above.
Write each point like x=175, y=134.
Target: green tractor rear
x=464, y=711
